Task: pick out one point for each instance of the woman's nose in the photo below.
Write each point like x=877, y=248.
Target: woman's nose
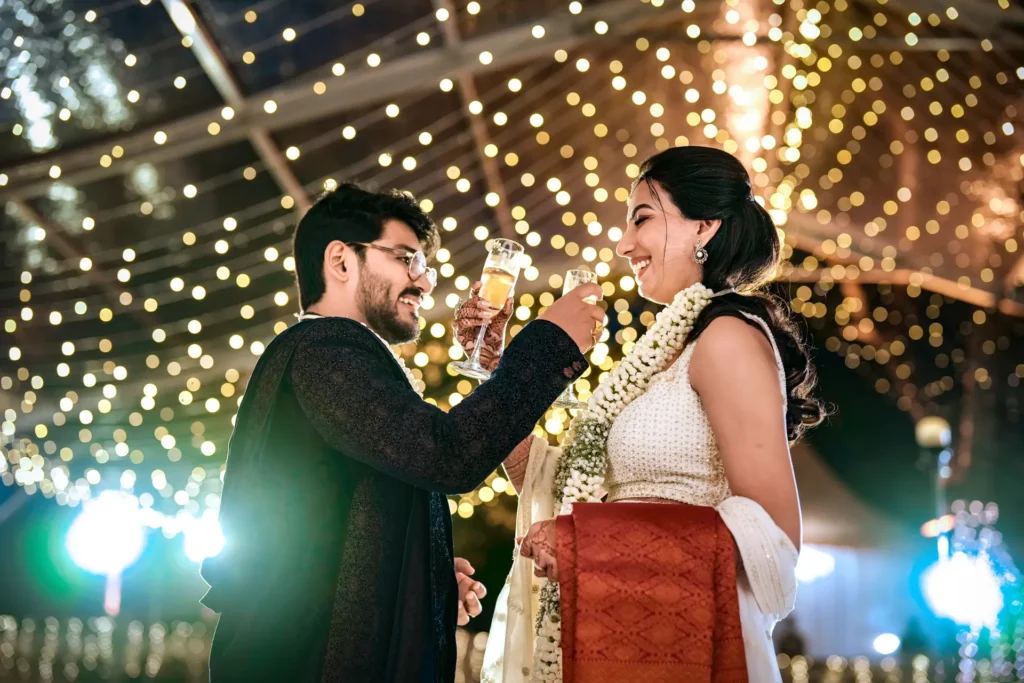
x=625, y=245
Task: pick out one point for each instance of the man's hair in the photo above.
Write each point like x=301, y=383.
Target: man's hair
x=351, y=214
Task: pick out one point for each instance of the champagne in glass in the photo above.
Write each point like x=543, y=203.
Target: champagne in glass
x=573, y=279
x=496, y=283
x=501, y=270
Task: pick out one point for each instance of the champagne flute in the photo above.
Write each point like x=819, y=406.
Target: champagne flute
x=573, y=279
x=501, y=270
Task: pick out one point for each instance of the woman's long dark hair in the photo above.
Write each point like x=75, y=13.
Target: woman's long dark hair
x=708, y=184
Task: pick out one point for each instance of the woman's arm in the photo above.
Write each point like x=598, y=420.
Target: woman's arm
x=517, y=462
x=734, y=372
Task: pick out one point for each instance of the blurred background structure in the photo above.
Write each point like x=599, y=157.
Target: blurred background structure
x=155, y=155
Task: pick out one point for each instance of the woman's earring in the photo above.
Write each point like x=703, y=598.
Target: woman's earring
x=700, y=254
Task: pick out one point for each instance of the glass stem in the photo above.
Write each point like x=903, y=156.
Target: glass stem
x=475, y=358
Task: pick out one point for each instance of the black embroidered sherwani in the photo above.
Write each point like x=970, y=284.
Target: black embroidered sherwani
x=338, y=564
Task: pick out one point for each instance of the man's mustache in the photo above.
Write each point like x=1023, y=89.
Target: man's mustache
x=418, y=293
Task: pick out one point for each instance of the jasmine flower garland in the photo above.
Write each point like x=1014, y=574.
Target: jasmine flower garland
x=580, y=471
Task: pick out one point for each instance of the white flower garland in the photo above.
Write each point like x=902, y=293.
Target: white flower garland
x=581, y=470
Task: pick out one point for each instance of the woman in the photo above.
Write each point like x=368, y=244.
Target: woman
x=704, y=418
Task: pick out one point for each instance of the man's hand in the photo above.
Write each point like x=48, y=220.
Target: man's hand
x=470, y=591
x=473, y=313
x=579, y=318
x=539, y=545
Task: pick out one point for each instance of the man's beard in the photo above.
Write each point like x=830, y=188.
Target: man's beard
x=381, y=313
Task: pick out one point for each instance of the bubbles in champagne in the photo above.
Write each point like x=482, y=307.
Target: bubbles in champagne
x=496, y=285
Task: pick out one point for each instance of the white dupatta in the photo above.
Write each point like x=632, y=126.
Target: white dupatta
x=766, y=586
x=509, y=654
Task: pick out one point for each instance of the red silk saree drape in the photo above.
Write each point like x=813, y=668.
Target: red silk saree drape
x=648, y=595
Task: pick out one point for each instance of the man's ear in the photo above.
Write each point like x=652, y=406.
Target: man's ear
x=337, y=256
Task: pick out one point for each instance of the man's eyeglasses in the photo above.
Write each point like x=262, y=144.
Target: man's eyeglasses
x=415, y=260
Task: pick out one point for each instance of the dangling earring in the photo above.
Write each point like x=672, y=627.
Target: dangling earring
x=700, y=254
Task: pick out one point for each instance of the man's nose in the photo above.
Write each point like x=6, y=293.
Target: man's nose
x=424, y=284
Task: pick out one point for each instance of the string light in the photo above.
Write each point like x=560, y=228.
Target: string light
x=597, y=115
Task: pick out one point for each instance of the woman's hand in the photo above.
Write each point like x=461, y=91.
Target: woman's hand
x=473, y=313
x=539, y=544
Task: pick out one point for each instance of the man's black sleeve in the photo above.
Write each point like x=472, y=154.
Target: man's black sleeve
x=361, y=408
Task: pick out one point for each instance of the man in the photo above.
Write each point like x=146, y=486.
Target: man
x=338, y=564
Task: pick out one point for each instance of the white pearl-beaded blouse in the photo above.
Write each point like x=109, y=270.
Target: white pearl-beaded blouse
x=662, y=446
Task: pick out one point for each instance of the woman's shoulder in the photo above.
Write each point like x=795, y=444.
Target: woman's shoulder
x=720, y=333
x=731, y=343
x=734, y=333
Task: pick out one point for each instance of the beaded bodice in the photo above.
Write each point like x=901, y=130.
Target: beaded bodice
x=662, y=446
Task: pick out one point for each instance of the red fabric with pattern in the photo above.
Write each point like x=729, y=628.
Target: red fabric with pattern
x=648, y=595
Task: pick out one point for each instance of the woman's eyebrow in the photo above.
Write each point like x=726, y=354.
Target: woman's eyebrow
x=641, y=206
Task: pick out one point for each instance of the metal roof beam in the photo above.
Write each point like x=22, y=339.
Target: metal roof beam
x=1015, y=276
x=801, y=239
x=68, y=250
x=481, y=138
x=297, y=103
x=216, y=68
